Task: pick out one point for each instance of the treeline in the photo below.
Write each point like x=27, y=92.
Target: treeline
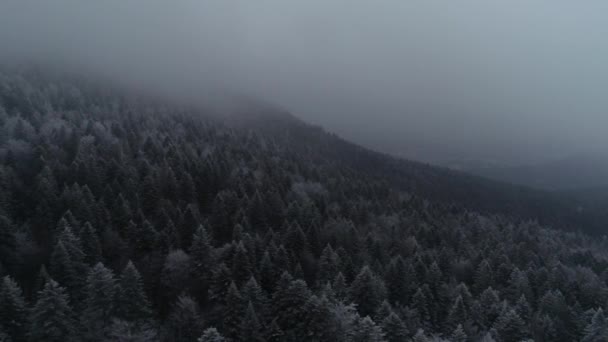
x=126, y=219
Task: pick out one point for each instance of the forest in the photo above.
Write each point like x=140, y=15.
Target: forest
x=130, y=218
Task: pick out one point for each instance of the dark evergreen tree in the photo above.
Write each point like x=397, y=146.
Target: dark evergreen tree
x=397, y=281
x=365, y=330
x=211, y=335
x=91, y=246
x=510, y=326
x=184, y=322
x=394, y=328
x=132, y=305
x=233, y=312
x=367, y=291
x=13, y=310
x=220, y=283
x=459, y=335
x=250, y=328
x=99, y=307
x=52, y=317
x=597, y=330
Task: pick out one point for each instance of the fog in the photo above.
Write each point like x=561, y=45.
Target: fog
x=515, y=80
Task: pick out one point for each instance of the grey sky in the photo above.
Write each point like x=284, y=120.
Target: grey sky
x=470, y=78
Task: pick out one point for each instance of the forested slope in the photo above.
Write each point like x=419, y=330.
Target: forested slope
x=129, y=219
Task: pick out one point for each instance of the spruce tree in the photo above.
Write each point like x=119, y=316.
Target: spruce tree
x=90, y=244
x=52, y=317
x=211, y=335
x=268, y=273
x=421, y=305
x=458, y=314
x=366, y=330
x=394, y=328
x=274, y=333
x=250, y=328
x=597, y=330
x=62, y=268
x=458, y=335
x=241, y=267
x=98, y=311
x=510, y=327
x=367, y=291
x=396, y=280
x=328, y=265
x=319, y=324
x=13, y=310
x=220, y=283
x=253, y=293
x=132, y=304
x=233, y=312
x=184, y=322
x=201, y=253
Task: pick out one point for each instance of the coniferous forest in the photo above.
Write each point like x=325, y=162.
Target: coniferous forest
x=126, y=218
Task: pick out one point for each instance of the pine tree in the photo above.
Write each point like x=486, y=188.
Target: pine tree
x=211, y=335
x=220, y=283
x=597, y=330
x=328, y=265
x=458, y=335
x=13, y=309
x=367, y=291
x=63, y=270
x=100, y=293
x=489, y=303
x=458, y=314
x=253, y=293
x=250, y=328
x=383, y=311
x=421, y=305
x=125, y=331
x=132, y=304
x=397, y=282
x=523, y=309
x=184, y=322
x=288, y=303
x=201, y=253
x=188, y=226
x=241, y=267
x=484, y=276
x=52, y=318
x=420, y=336
x=339, y=286
x=394, y=328
x=91, y=246
x=365, y=330
x=233, y=312
x=268, y=273
x=274, y=332
x=318, y=321
x=7, y=243
x=510, y=326
x=42, y=278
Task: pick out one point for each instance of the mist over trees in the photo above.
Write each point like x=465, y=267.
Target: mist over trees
x=124, y=218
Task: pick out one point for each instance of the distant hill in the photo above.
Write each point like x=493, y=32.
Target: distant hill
x=563, y=174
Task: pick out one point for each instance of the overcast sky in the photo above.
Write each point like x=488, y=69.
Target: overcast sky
x=469, y=78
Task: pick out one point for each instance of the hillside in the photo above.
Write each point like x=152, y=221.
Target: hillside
x=129, y=218
x=561, y=174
